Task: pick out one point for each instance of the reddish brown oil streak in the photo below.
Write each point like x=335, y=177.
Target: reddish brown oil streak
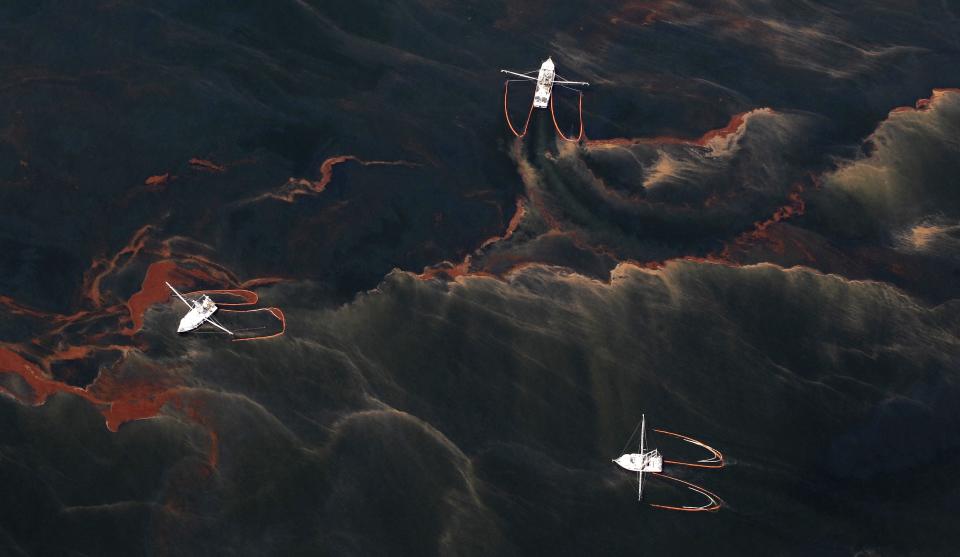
x=515, y=220
x=450, y=270
x=733, y=126
x=301, y=186
x=214, y=456
x=81, y=352
x=154, y=289
x=120, y=399
x=134, y=404
x=15, y=307
x=925, y=104
x=535, y=198
x=195, y=409
x=807, y=254
x=762, y=229
x=158, y=180
x=204, y=164
x=129, y=409
x=43, y=387
x=102, y=267
x=326, y=171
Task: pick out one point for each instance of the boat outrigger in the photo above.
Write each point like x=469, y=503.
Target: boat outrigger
x=650, y=461
x=201, y=311
x=642, y=461
x=544, y=80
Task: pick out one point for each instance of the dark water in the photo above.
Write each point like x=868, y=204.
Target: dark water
x=758, y=245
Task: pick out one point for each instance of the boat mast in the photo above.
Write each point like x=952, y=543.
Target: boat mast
x=643, y=439
x=643, y=432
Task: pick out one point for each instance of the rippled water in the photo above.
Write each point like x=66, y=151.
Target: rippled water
x=756, y=244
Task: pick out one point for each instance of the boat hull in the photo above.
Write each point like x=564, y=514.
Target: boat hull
x=635, y=462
